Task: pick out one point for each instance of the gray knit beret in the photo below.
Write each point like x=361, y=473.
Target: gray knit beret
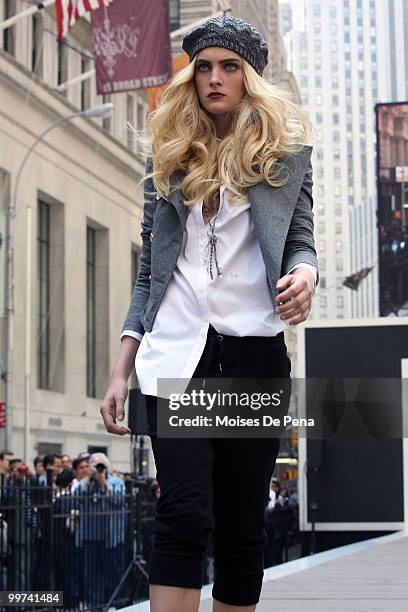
x=232, y=33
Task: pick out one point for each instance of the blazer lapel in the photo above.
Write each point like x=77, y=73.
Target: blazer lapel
x=268, y=202
x=176, y=197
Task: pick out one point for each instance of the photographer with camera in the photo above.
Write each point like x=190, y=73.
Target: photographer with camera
x=96, y=479
x=100, y=534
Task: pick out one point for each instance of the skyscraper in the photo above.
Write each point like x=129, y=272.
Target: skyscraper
x=332, y=50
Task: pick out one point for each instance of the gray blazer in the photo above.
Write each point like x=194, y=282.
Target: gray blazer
x=283, y=220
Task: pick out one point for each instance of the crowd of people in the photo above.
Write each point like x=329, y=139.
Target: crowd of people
x=86, y=472
x=72, y=519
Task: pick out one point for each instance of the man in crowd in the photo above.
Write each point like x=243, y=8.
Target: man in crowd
x=5, y=457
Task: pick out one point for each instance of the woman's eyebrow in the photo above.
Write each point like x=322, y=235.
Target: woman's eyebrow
x=229, y=59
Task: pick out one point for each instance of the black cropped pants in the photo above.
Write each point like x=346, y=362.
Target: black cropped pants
x=217, y=485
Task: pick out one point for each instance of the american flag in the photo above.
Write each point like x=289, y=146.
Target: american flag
x=69, y=11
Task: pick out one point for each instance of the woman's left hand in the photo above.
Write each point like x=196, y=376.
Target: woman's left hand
x=298, y=288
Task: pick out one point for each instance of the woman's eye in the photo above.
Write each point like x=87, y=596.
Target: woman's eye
x=205, y=66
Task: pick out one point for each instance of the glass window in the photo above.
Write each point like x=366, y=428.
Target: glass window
x=43, y=267
x=90, y=313
x=130, y=119
x=37, y=44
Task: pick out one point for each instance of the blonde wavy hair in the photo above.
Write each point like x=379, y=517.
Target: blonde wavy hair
x=265, y=126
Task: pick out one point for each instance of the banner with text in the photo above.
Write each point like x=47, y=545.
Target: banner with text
x=131, y=45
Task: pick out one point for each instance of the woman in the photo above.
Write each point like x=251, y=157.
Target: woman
x=222, y=233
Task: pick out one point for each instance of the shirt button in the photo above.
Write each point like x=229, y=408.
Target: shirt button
x=158, y=197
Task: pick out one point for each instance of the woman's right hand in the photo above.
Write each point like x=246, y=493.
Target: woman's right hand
x=113, y=407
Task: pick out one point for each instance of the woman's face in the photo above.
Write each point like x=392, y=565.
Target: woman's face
x=219, y=70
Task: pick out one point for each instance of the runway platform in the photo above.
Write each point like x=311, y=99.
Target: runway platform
x=367, y=576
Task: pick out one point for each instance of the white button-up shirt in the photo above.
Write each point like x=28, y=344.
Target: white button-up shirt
x=237, y=303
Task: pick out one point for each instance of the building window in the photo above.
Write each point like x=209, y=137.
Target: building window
x=339, y=246
x=340, y=301
x=50, y=282
x=9, y=41
x=323, y=301
x=107, y=120
x=321, y=227
x=174, y=15
x=130, y=121
x=37, y=44
x=62, y=68
x=97, y=309
x=90, y=312
x=322, y=263
x=85, y=84
x=322, y=246
x=339, y=265
x=43, y=267
x=338, y=228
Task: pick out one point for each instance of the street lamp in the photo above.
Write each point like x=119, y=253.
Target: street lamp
x=97, y=111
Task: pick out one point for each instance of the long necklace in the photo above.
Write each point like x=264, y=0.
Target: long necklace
x=212, y=243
